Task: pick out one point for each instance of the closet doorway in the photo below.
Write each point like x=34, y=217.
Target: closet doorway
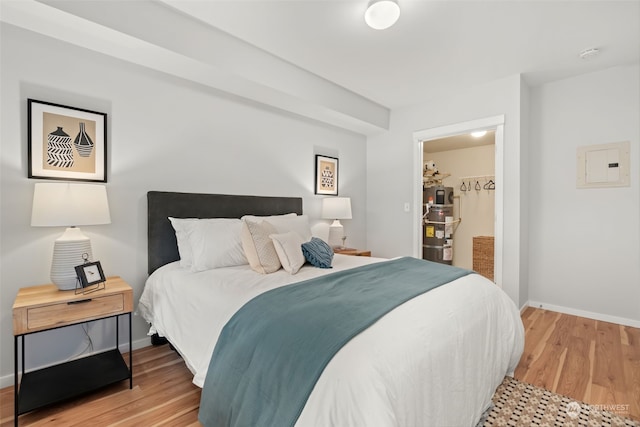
x=473, y=167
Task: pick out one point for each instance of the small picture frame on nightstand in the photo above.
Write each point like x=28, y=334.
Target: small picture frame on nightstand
x=90, y=274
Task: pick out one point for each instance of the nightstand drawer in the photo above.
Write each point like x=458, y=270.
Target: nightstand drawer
x=65, y=313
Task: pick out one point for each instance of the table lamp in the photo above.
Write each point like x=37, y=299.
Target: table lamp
x=336, y=208
x=69, y=205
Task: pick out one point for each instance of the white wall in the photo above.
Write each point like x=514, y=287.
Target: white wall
x=525, y=179
x=585, y=244
x=390, y=163
x=475, y=207
x=164, y=134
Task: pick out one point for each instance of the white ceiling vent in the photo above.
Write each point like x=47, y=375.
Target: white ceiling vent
x=589, y=53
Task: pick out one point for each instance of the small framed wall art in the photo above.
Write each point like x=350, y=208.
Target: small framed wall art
x=326, y=175
x=66, y=143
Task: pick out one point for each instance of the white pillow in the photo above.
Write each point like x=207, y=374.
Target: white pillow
x=258, y=247
x=268, y=217
x=289, y=248
x=216, y=243
x=182, y=227
x=288, y=222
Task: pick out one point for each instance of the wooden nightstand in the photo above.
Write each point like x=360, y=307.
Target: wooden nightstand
x=351, y=251
x=45, y=307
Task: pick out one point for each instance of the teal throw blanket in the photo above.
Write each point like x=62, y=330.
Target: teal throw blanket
x=271, y=353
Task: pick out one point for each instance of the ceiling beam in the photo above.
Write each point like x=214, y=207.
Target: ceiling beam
x=157, y=35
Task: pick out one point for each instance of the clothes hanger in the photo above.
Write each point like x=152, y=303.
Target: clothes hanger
x=477, y=187
x=463, y=187
x=490, y=185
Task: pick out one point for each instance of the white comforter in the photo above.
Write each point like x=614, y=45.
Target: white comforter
x=434, y=361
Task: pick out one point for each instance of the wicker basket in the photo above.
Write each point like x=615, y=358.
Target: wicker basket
x=483, y=256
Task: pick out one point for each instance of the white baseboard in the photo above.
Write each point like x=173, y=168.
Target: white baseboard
x=583, y=313
x=8, y=380
x=524, y=307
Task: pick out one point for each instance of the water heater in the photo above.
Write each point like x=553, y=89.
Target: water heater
x=437, y=237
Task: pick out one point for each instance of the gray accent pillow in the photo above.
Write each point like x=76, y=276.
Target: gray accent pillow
x=318, y=253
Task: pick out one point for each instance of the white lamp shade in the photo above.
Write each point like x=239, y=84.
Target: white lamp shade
x=336, y=208
x=66, y=204
x=382, y=14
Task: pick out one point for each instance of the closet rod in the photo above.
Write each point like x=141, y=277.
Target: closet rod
x=466, y=178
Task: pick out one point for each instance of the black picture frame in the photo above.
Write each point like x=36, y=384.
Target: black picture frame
x=90, y=273
x=66, y=143
x=326, y=175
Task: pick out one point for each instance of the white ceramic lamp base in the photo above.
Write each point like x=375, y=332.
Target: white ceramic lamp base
x=69, y=251
x=335, y=234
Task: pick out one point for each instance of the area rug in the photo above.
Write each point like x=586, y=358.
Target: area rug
x=520, y=404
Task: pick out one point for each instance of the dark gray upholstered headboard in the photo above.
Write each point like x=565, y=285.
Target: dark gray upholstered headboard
x=162, y=245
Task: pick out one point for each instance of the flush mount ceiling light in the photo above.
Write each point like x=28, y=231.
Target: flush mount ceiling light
x=381, y=14
x=589, y=53
x=479, y=133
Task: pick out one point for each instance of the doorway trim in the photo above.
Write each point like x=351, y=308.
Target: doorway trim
x=424, y=136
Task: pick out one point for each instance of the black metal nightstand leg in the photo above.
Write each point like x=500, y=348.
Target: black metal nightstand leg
x=15, y=380
x=130, y=354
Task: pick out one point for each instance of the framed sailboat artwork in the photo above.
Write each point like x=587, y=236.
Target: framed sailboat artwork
x=66, y=143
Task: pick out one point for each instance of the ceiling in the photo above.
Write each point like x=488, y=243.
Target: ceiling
x=318, y=58
x=435, y=44
x=459, y=142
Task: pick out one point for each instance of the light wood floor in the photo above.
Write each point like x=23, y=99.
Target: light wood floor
x=595, y=362
x=588, y=360
x=162, y=395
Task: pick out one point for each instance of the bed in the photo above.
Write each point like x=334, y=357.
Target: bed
x=435, y=359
